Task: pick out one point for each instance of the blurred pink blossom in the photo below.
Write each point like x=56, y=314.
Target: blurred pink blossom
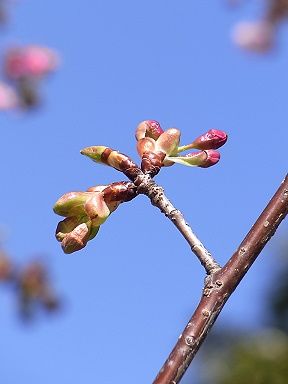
x=30, y=61
x=8, y=97
x=254, y=36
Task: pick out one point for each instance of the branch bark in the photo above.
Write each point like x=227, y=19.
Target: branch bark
x=148, y=187
x=220, y=285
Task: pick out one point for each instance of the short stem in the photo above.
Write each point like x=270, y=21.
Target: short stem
x=185, y=148
x=148, y=187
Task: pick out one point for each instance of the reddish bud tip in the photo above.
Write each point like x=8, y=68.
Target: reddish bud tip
x=212, y=139
x=212, y=158
x=148, y=128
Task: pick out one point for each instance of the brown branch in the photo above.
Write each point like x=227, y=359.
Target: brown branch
x=220, y=285
x=148, y=187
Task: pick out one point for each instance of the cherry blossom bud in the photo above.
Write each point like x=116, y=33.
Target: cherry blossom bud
x=66, y=226
x=76, y=239
x=168, y=142
x=96, y=208
x=115, y=159
x=203, y=159
x=72, y=204
x=74, y=233
x=86, y=211
x=90, y=204
x=254, y=36
x=213, y=139
x=148, y=128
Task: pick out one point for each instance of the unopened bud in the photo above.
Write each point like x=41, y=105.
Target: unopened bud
x=203, y=159
x=72, y=204
x=66, y=226
x=96, y=208
x=212, y=158
x=148, y=128
x=212, y=139
x=75, y=232
x=79, y=204
x=168, y=142
x=76, y=240
x=115, y=159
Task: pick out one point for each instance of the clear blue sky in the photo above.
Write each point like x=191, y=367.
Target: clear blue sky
x=128, y=294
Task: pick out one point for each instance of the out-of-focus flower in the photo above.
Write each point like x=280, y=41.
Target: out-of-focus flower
x=8, y=97
x=86, y=211
x=34, y=288
x=260, y=36
x=254, y=36
x=30, y=61
x=26, y=66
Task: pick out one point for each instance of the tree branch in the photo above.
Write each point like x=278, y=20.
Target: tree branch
x=148, y=187
x=220, y=285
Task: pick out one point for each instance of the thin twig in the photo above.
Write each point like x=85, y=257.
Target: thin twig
x=148, y=187
x=220, y=285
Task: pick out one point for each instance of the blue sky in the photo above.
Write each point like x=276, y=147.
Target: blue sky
x=130, y=292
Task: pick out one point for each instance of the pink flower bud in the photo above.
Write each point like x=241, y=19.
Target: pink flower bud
x=254, y=36
x=212, y=158
x=148, y=128
x=212, y=139
x=30, y=61
x=203, y=159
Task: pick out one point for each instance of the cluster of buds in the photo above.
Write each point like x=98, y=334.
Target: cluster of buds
x=159, y=148
x=24, y=68
x=32, y=285
x=84, y=212
x=259, y=36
